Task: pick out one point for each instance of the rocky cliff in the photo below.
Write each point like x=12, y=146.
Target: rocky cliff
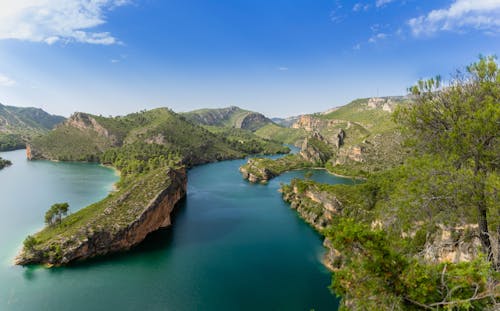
x=318, y=208
x=119, y=222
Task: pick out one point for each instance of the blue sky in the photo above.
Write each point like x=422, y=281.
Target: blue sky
x=279, y=57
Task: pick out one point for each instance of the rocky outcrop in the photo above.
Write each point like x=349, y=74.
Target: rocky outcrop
x=252, y=121
x=254, y=172
x=85, y=121
x=340, y=138
x=314, y=149
x=454, y=245
x=101, y=240
x=385, y=103
x=316, y=207
x=311, y=123
x=32, y=153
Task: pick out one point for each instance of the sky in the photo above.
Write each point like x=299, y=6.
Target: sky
x=278, y=57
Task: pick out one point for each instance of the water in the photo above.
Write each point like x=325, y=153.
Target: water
x=233, y=246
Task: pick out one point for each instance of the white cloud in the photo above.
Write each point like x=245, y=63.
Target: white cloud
x=377, y=37
x=283, y=68
x=380, y=3
x=6, y=81
x=50, y=21
x=360, y=6
x=462, y=15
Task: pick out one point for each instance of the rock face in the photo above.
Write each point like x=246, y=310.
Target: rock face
x=315, y=149
x=84, y=121
x=231, y=116
x=453, y=245
x=311, y=123
x=252, y=122
x=316, y=207
x=101, y=241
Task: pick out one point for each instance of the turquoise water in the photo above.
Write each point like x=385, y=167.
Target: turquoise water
x=233, y=246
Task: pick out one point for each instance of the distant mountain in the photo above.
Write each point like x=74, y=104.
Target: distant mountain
x=234, y=117
x=286, y=122
x=19, y=125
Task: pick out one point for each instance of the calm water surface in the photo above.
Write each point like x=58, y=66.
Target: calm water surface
x=233, y=246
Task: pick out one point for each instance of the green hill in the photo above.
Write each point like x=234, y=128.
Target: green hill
x=86, y=137
x=357, y=139
x=282, y=134
x=19, y=125
x=234, y=117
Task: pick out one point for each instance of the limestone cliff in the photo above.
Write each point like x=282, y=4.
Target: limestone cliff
x=118, y=223
x=318, y=208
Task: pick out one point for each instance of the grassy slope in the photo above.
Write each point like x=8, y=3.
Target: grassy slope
x=372, y=130
x=115, y=212
x=282, y=134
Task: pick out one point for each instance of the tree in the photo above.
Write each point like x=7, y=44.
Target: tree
x=460, y=122
x=30, y=242
x=55, y=213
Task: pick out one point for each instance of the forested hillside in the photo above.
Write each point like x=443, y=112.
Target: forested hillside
x=423, y=235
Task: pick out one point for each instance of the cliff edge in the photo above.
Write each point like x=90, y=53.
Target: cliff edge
x=115, y=224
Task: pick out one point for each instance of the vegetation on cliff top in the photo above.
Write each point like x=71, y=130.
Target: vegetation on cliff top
x=109, y=216
x=425, y=234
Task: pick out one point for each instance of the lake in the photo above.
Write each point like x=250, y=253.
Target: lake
x=233, y=245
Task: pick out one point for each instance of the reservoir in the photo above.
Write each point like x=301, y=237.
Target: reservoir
x=233, y=245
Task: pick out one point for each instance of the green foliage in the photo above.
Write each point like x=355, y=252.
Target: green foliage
x=30, y=242
x=459, y=123
x=55, y=213
x=11, y=141
x=375, y=276
x=4, y=163
x=139, y=158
